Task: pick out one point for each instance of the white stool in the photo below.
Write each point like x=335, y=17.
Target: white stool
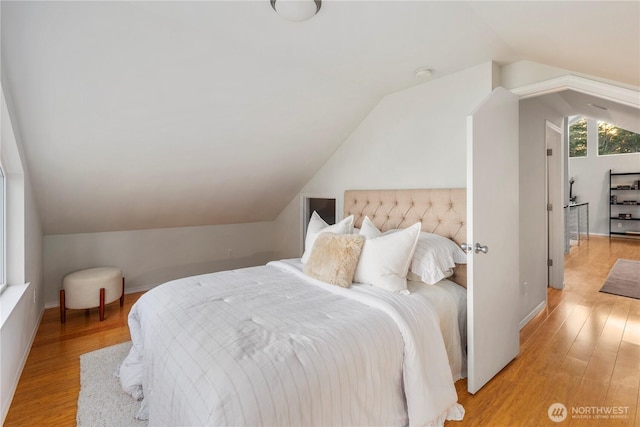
x=91, y=288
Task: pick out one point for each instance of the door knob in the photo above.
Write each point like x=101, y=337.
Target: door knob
x=480, y=248
x=465, y=247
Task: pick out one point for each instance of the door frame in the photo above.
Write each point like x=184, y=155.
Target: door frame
x=554, y=177
x=584, y=85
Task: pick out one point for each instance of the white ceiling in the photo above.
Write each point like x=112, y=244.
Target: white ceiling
x=570, y=103
x=158, y=114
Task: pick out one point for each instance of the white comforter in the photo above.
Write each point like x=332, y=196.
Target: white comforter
x=269, y=346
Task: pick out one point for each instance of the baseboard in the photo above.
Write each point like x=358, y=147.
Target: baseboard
x=532, y=314
x=25, y=356
x=127, y=291
x=143, y=288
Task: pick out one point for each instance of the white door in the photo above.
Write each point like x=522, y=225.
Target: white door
x=492, y=232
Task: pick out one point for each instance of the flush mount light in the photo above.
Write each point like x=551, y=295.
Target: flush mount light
x=296, y=10
x=423, y=73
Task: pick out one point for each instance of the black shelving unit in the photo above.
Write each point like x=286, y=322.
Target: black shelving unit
x=624, y=202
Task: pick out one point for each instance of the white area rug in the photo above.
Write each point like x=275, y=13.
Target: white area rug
x=102, y=403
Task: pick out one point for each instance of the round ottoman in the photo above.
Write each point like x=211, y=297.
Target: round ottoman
x=91, y=288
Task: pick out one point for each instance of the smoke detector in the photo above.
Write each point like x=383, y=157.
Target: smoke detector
x=423, y=73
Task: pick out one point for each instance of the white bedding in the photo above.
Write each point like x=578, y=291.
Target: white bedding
x=450, y=302
x=269, y=346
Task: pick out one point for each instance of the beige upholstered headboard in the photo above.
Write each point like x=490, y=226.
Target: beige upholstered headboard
x=441, y=211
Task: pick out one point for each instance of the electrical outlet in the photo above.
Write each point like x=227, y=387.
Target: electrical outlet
x=619, y=225
x=525, y=288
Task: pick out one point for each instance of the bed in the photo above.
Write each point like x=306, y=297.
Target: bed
x=275, y=345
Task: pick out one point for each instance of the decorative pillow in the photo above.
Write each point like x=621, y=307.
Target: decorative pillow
x=318, y=225
x=385, y=258
x=334, y=258
x=369, y=230
x=435, y=258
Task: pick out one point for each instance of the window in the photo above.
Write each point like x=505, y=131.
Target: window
x=578, y=138
x=615, y=140
x=3, y=281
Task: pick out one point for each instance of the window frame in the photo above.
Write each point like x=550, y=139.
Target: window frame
x=573, y=121
x=598, y=122
x=3, y=228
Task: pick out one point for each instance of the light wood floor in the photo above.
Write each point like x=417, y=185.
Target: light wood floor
x=583, y=351
x=47, y=393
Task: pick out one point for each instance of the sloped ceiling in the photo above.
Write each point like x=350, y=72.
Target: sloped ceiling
x=160, y=114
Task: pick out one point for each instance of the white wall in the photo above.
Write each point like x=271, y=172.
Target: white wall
x=533, y=214
x=150, y=257
x=22, y=302
x=415, y=138
x=591, y=174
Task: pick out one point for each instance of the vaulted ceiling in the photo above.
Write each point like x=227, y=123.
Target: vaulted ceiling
x=158, y=114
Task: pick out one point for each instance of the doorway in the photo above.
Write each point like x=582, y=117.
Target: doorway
x=553, y=100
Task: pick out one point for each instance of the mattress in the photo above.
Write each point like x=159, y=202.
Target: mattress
x=268, y=345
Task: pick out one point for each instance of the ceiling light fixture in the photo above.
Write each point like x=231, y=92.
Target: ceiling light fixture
x=423, y=73
x=296, y=10
x=599, y=107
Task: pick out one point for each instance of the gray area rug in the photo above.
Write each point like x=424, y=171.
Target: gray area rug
x=102, y=403
x=623, y=279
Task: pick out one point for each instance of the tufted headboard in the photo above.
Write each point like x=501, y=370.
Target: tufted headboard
x=441, y=211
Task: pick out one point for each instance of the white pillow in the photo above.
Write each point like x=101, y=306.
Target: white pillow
x=317, y=225
x=385, y=258
x=369, y=230
x=435, y=258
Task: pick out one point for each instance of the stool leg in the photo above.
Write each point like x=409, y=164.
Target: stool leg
x=101, y=304
x=122, y=296
x=63, y=310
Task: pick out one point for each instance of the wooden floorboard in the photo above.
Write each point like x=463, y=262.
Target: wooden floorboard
x=47, y=392
x=582, y=350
